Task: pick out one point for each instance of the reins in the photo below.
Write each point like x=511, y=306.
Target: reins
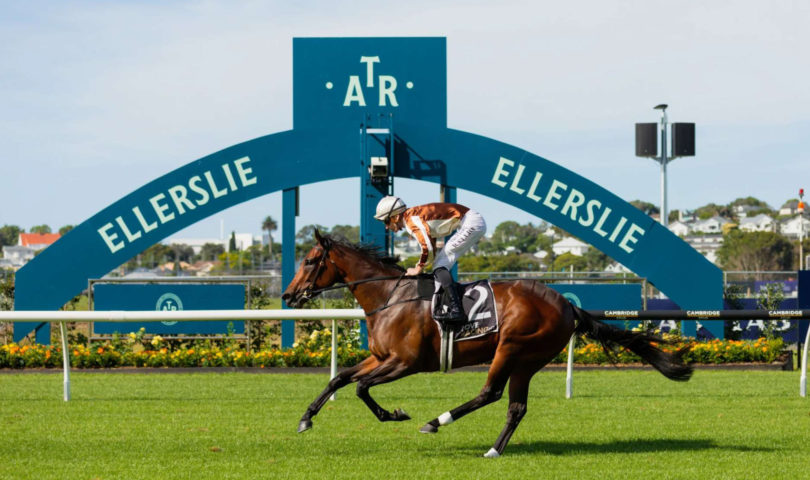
x=385, y=306
x=312, y=292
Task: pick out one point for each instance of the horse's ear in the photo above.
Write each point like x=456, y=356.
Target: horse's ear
x=322, y=240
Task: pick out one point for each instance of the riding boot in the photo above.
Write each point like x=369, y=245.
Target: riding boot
x=455, y=312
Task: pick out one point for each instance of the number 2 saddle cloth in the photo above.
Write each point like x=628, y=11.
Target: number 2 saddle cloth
x=477, y=300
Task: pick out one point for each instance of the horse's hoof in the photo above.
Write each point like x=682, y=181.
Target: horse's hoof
x=492, y=453
x=304, y=425
x=428, y=428
x=401, y=415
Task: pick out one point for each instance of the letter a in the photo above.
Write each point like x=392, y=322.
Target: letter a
x=354, y=93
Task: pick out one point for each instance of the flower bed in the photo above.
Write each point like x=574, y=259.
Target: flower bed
x=710, y=352
x=314, y=350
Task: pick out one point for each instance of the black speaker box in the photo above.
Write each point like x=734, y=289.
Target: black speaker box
x=646, y=140
x=683, y=139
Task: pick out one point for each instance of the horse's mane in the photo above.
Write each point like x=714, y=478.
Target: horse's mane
x=367, y=249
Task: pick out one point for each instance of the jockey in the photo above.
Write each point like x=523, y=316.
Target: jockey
x=428, y=222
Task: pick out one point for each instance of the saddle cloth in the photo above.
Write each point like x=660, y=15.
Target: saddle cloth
x=478, y=302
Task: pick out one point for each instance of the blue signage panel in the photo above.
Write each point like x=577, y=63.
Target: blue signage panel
x=168, y=296
x=603, y=297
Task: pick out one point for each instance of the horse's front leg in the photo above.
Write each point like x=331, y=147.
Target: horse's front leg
x=391, y=369
x=341, y=380
x=499, y=373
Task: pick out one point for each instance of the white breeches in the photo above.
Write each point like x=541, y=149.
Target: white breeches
x=471, y=229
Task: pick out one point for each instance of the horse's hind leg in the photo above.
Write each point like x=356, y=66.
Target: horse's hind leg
x=518, y=395
x=390, y=370
x=492, y=391
x=341, y=380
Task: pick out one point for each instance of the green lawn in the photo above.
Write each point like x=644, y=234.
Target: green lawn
x=621, y=424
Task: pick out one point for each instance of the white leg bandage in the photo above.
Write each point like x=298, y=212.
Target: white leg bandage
x=445, y=418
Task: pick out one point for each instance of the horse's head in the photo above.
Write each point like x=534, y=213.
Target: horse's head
x=317, y=271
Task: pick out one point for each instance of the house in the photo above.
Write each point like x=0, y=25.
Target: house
x=617, y=268
x=791, y=227
x=706, y=245
x=789, y=208
x=37, y=241
x=680, y=228
x=710, y=225
x=570, y=245
x=17, y=255
x=757, y=223
x=742, y=211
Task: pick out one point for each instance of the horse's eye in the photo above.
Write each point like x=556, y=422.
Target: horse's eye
x=308, y=261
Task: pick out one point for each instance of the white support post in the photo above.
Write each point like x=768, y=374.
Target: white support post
x=803, y=380
x=569, y=371
x=65, y=361
x=333, y=370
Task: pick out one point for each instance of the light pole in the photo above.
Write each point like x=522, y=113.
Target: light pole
x=663, y=160
x=682, y=145
x=800, y=209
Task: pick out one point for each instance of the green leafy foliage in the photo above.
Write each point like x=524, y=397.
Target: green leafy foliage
x=9, y=235
x=755, y=251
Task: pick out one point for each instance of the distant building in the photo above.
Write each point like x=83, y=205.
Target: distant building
x=758, y=223
x=16, y=256
x=789, y=208
x=196, y=244
x=742, y=211
x=243, y=242
x=37, y=241
x=706, y=245
x=791, y=226
x=679, y=228
x=570, y=245
x=710, y=225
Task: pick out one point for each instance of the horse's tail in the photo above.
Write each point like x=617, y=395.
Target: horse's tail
x=671, y=365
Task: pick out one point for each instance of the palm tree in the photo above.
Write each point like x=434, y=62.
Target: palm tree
x=270, y=225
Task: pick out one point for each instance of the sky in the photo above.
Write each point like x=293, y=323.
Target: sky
x=99, y=98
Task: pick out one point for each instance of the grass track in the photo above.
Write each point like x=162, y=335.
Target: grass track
x=621, y=424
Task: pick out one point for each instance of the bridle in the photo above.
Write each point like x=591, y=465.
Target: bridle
x=310, y=291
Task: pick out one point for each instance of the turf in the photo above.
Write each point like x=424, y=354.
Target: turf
x=621, y=424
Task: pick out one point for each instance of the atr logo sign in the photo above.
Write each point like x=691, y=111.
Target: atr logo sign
x=386, y=85
x=169, y=302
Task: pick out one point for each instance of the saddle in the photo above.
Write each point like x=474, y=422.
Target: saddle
x=477, y=301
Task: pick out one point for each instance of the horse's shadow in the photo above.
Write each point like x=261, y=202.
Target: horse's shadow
x=639, y=445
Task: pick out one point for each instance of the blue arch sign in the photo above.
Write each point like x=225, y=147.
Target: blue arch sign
x=337, y=84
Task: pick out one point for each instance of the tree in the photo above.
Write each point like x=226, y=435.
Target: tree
x=41, y=229
x=755, y=251
x=269, y=225
x=646, y=207
x=232, y=243
x=565, y=261
x=65, y=229
x=347, y=232
x=524, y=238
x=151, y=257
x=305, y=238
x=710, y=210
x=210, y=251
x=9, y=235
x=595, y=260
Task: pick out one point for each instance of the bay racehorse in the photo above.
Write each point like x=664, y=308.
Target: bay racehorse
x=536, y=323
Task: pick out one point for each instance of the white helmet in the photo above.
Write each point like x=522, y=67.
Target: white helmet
x=389, y=206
